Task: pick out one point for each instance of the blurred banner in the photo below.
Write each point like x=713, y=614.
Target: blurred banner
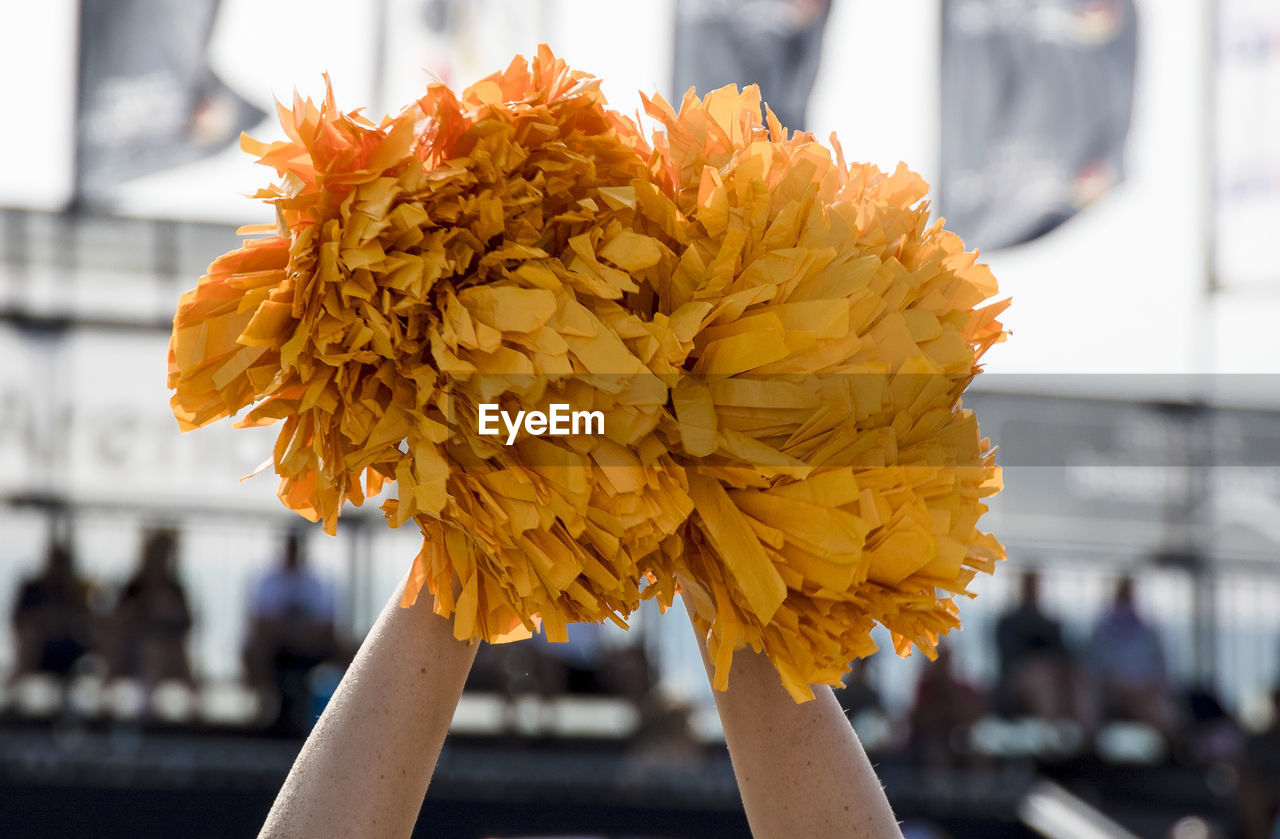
x=1141, y=479
x=1036, y=104
x=1247, y=144
x=148, y=100
x=78, y=423
x=773, y=43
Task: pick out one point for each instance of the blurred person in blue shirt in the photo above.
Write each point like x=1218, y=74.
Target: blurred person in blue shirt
x=291, y=632
x=1128, y=663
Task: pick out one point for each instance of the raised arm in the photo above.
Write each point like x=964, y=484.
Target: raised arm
x=800, y=767
x=365, y=768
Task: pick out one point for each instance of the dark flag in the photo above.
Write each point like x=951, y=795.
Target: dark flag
x=148, y=100
x=1036, y=103
x=771, y=43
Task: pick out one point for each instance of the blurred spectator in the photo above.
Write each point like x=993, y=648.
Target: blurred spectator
x=1212, y=735
x=1129, y=664
x=574, y=666
x=1259, y=786
x=51, y=619
x=859, y=695
x=628, y=671
x=945, y=708
x=665, y=743
x=291, y=632
x=586, y=664
x=1037, y=674
x=151, y=620
x=508, y=669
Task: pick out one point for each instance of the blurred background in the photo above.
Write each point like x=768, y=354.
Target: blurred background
x=171, y=633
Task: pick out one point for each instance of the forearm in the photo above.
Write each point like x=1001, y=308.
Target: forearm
x=365, y=768
x=800, y=767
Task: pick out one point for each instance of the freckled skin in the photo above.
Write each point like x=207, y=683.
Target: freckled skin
x=800, y=767
x=387, y=722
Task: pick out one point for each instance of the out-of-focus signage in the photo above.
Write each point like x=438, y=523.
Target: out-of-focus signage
x=84, y=416
x=1247, y=143
x=1135, y=477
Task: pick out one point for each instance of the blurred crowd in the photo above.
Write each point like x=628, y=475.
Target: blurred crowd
x=137, y=633
x=1112, y=696
x=63, y=627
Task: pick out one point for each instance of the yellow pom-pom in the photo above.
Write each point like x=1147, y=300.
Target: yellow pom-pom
x=470, y=249
x=837, y=483
x=776, y=342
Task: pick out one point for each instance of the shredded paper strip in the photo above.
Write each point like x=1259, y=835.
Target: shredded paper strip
x=777, y=340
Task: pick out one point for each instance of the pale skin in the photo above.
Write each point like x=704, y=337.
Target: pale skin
x=800, y=767
x=365, y=768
